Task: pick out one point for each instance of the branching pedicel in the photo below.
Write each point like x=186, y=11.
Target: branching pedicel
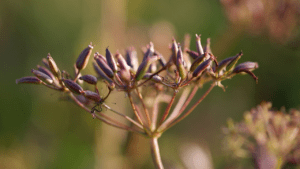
x=163, y=80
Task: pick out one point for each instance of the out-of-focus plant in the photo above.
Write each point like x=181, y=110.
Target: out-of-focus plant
x=147, y=85
x=278, y=18
x=271, y=138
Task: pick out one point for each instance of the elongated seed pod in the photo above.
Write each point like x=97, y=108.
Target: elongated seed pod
x=132, y=59
x=180, y=64
x=149, y=52
x=46, y=71
x=83, y=58
x=111, y=61
x=207, y=46
x=193, y=54
x=198, y=71
x=174, y=49
x=52, y=65
x=104, y=66
x=226, y=62
x=103, y=75
x=42, y=76
x=198, y=45
x=155, y=78
x=198, y=61
x=89, y=79
x=92, y=95
x=144, y=66
x=29, y=80
x=122, y=62
x=246, y=66
x=72, y=86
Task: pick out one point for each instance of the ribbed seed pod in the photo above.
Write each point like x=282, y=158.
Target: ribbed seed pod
x=83, y=58
x=144, y=66
x=207, y=46
x=89, y=79
x=155, y=78
x=232, y=64
x=198, y=71
x=180, y=64
x=174, y=49
x=246, y=66
x=122, y=62
x=228, y=61
x=132, y=59
x=29, y=80
x=92, y=95
x=149, y=52
x=111, y=61
x=42, y=76
x=52, y=65
x=72, y=86
x=104, y=66
x=198, y=61
x=198, y=45
x=193, y=54
x=103, y=75
x=46, y=71
x=45, y=62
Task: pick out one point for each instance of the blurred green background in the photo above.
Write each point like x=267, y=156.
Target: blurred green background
x=39, y=130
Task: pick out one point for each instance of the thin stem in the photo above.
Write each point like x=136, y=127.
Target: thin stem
x=76, y=76
x=165, y=67
x=134, y=109
x=190, y=110
x=155, y=153
x=144, y=106
x=166, y=113
x=105, y=118
x=189, y=99
x=123, y=115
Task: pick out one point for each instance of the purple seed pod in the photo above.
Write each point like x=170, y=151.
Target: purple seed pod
x=174, y=49
x=155, y=78
x=246, y=66
x=207, y=46
x=161, y=59
x=193, y=54
x=46, y=71
x=132, y=59
x=29, y=80
x=104, y=66
x=144, y=67
x=149, y=52
x=198, y=61
x=103, y=76
x=89, y=79
x=92, y=95
x=83, y=58
x=111, y=61
x=52, y=65
x=122, y=62
x=45, y=62
x=229, y=61
x=125, y=75
x=203, y=66
x=72, y=86
x=42, y=76
x=180, y=64
x=198, y=45
x=97, y=54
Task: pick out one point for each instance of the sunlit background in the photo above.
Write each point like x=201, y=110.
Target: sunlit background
x=40, y=130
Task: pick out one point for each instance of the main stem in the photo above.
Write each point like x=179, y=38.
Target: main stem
x=155, y=153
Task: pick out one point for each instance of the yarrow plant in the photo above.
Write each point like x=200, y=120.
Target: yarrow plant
x=270, y=138
x=147, y=84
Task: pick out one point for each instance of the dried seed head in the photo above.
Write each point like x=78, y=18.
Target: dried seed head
x=155, y=78
x=203, y=66
x=132, y=59
x=104, y=66
x=193, y=54
x=111, y=61
x=198, y=61
x=52, y=65
x=180, y=64
x=29, y=80
x=92, y=95
x=198, y=45
x=72, y=86
x=144, y=66
x=89, y=79
x=42, y=76
x=83, y=58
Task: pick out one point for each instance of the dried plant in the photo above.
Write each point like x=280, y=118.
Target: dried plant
x=271, y=138
x=147, y=85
